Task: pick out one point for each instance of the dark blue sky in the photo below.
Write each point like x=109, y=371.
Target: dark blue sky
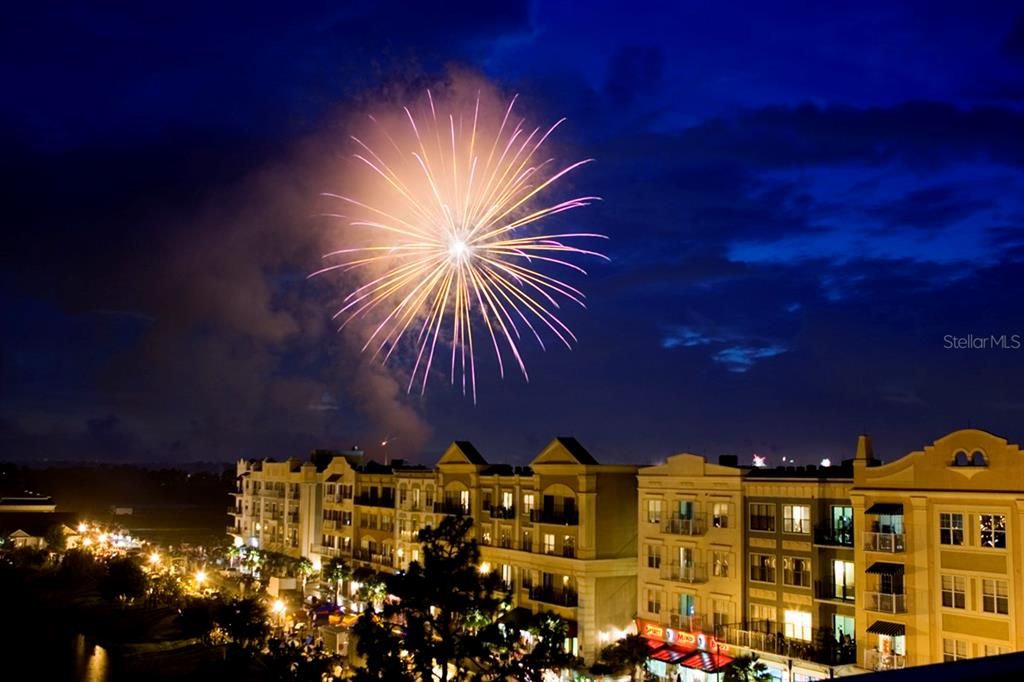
x=803, y=201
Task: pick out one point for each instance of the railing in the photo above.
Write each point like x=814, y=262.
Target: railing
x=412, y=506
x=549, y=595
x=361, y=554
x=451, y=507
x=685, y=525
x=681, y=621
x=234, y=511
x=569, y=551
x=884, y=542
x=827, y=589
x=884, y=602
x=324, y=550
x=293, y=518
x=879, y=660
x=370, y=501
x=561, y=518
x=505, y=542
x=232, y=530
x=502, y=512
x=689, y=573
x=271, y=493
x=329, y=524
x=833, y=537
x=765, y=636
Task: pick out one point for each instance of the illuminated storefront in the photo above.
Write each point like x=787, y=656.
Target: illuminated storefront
x=681, y=656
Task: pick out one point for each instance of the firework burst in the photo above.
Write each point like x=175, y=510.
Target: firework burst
x=455, y=240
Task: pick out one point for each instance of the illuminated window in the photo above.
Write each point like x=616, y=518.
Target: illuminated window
x=528, y=503
x=720, y=564
x=951, y=529
x=797, y=625
x=954, y=591
x=994, y=596
x=762, y=517
x=992, y=530
x=654, y=511
x=953, y=650
x=654, y=601
x=506, y=499
x=763, y=617
x=549, y=543
x=796, y=518
x=796, y=571
x=720, y=515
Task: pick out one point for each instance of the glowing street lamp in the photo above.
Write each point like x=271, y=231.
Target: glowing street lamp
x=278, y=608
x=82, y=527
x=154, y=559
x=200, y=577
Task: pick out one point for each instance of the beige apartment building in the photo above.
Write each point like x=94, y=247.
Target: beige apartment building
x=940, y=551
x=277, y=506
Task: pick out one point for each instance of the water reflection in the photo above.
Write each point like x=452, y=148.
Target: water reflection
x=91, y=662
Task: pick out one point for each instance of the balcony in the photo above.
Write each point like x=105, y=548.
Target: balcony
x=374, y=501
x=568, y=517
x=681, y=621
x=329, y=524
x=411, y=506
x=884, y=602
x=880, y=660
x=562, y=597
x=379, y=558
x=767, y=637
x=685, y=525
x=829, y=590
x=569, y=551
x=689, y=573
x=232, y=530
x=884, y=542
x=324, y=550
x=234, y=511
x=502, y=512
x=831, y=536
x=451, y=507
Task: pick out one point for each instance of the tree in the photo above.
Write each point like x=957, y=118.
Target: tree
x=56, y=540
x=124, y=580
x=381, y=648
x=244, y=621
x=78, y=568
x=336, y=573
x=548, y=652
x=747, y=669
x=197, y=617
x=447, y=608
x=629, y=653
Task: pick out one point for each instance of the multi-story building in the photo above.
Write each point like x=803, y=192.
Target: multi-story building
x=277, y=506
x=940, y=551
x=690, y=570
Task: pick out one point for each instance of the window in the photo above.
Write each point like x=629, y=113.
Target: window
x=762, y=517
x=762, y=568
x=569, y=546
x=506, y=574
x=653, y=601
x=653, y=556
x=549, y=543
x=527, y=541
x=720, y=564
x=951, y=528
x=796, y=571
x=653, y=511
x=954, y=589
x=953, y=650
x=842, y=581
x=506, y=499
x=763, y=617
x=994, y=596
x=796, y=518
x=529, y=501
x=464, y=499
x=797, y=625
x=720, y=610
x=996, y=650
x=993, y=530
x=720, y=515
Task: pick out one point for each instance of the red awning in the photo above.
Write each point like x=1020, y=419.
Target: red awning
x=706, y=661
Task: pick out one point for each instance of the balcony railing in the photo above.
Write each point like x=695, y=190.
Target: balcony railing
x=884, y=542
x=451, y=507
x=879, y=660
x=555, y=517
x=681, y=621
x=373, y=557
x=833, y=537
x=411, y=506
x=768, y=637
x=232, y=530
x=685, y=525
x=884, y=602
x=827, y=589
x=688, y=573
x=324, y=550
x=373, y=501
x=503, y=512
x=562, y=597
x=569, y=551
x=234, y=511
x=329, y=524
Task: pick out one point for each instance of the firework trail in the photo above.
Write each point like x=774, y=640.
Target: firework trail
x=454, y=240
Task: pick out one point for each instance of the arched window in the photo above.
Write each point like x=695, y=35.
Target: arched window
x=960, y=459
x=978, y=459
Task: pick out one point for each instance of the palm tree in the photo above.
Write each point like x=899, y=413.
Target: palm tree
x=336, y=573
x=747, y=669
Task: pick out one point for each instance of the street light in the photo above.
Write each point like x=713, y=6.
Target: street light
x=200, y=577
x=154, y=558
x=278, y=609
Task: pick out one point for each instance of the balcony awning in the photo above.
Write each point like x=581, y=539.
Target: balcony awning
x=884, y=627
x=885, y=568
x=707, y=661
x=886, y=508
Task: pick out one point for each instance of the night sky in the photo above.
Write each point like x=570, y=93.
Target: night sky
x=803, y=200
